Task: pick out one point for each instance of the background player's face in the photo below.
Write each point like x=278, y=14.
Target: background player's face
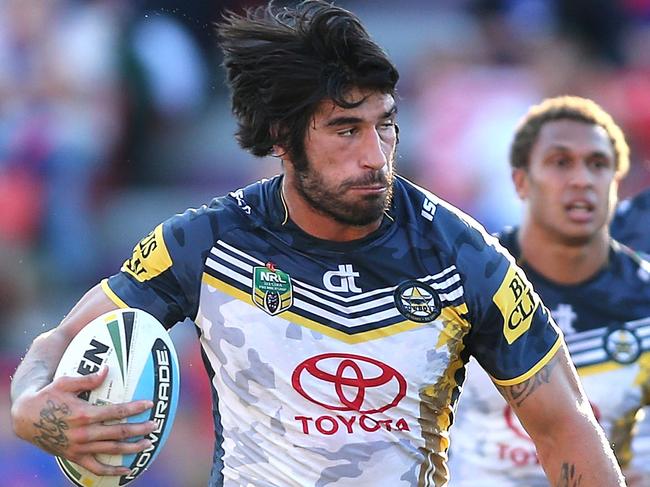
x=570, y=186
x=349, y=154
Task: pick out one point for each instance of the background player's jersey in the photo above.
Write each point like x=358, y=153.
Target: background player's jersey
x=631, y=226
x=631, y=223
x=606, y=324
x=337, y=363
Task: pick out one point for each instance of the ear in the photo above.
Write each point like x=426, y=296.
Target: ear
x=520, y=180
x=279, y=151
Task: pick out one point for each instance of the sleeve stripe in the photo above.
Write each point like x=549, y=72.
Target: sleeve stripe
x=111, y=295
x=536, y=368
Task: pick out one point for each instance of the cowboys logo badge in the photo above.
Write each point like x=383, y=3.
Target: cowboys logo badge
x=272, y=290
x=417, y=301
x=623, y=345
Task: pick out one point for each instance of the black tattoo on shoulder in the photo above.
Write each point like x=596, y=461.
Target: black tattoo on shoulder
x=569, y=477
x=517, y=394
x=52, y=427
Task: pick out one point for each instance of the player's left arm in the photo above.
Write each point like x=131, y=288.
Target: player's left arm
x=570, y=443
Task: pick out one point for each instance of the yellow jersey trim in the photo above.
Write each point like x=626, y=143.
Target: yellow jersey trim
x=366, y=336
x=536, y=368
x=111, y=295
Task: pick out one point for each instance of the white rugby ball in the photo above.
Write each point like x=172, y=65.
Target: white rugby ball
x=142, y=364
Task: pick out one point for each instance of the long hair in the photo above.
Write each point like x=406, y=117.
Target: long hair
x=282, y=62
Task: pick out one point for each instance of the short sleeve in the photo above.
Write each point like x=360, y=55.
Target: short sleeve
x=163, y=275
x=513, y=334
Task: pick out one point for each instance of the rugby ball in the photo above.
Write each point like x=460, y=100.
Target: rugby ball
x=142, y=364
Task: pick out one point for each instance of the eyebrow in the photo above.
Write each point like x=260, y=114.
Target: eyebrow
x=564, y=148
x=338, y=121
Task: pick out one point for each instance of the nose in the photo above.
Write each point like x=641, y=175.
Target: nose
x=581, y=175
x=374, y=151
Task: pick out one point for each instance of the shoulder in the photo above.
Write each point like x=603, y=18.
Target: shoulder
x=450, y=228
x=478, y=257
x=630, y=222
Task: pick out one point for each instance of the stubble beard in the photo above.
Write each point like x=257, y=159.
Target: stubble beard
x=331, y=202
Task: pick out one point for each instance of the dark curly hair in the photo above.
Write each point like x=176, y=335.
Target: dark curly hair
x=282, y=62
x=566, y=108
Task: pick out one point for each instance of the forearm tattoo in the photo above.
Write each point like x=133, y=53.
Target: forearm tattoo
x=52, y=428
x=517, y=394
x=569, y=477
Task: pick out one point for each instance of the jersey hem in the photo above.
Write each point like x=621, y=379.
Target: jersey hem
x=111, y=295
x=536, y=368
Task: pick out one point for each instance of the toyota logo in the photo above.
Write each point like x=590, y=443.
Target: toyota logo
x=347, y=382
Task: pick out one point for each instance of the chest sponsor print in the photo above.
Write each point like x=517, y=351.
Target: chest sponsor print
x=356, y=391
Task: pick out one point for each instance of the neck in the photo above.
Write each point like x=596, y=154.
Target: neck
x=318, y=224
x=561, y=261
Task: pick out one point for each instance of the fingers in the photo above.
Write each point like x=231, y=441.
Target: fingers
x=120, y=431
x=110, y=412
x=82, y=383
x=95, y=466
x=117, y=447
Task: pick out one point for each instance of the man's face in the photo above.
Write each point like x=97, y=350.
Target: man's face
x=570, y=186
x=349, y=156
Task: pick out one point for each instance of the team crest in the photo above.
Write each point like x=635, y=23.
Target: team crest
x=417, y=301
x=272, y=290
x=623, y=345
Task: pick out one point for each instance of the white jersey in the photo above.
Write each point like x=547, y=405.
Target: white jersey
x=606, y=323
x=337, y=363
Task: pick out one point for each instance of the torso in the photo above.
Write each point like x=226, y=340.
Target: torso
x=327, y=360
x=606, y=323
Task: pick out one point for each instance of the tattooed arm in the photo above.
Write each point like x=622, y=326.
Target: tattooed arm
x=49, y=413
x=571, y=446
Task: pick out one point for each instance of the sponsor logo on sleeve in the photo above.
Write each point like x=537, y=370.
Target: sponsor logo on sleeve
x=517, y=302
x=150, y=257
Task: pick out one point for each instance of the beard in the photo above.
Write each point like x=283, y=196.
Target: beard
x=330, y=199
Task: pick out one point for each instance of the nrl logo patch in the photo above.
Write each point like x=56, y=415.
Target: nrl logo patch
x=417, y=301
x=272, y=290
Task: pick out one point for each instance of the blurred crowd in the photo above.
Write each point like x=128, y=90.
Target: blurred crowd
x=114, y=115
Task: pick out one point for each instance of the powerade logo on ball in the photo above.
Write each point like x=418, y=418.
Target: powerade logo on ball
x=163, y=386
x=349, y=383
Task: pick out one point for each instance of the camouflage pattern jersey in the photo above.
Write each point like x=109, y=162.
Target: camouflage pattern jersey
x=606, y=324
x=337, y=363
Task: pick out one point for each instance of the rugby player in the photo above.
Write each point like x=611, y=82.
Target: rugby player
x=336, y=303
x=567, y=158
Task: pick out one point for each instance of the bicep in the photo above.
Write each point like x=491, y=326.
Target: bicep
x=553, y=392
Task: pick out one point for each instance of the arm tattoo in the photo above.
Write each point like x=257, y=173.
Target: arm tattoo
x=517, y=394
x=569, y=477
x=52, y=427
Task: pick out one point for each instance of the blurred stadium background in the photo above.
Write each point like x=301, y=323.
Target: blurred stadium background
x=114, y=115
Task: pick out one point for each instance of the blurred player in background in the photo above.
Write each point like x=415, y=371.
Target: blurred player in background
x=567, y=159
x=337, y=303
x=631, y=226
x=631, y=223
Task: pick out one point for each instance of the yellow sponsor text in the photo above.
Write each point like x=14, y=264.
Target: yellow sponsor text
x=150, y=257
x=517, y=302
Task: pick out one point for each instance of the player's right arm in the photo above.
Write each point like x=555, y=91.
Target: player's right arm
x=49, y=414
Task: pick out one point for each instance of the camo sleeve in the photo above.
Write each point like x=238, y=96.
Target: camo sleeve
x=512, y=334
x=163, y=275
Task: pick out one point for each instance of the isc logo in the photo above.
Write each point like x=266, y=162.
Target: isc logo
x=517, y=303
